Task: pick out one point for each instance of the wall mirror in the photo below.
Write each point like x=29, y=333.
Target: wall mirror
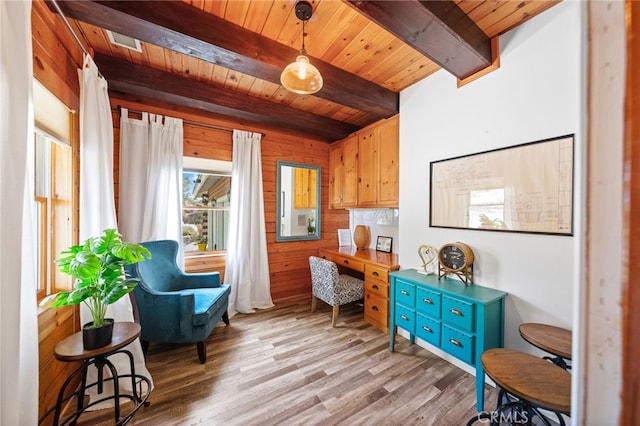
x=298, y=202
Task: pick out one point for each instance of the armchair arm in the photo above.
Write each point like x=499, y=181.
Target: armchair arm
x=200, y=280
x=164, y=316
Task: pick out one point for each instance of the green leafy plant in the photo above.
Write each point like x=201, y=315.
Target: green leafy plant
x=98, y=268
x=310, y=227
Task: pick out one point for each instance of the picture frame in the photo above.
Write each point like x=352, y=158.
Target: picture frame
x=344, y=237
x=384, y=244
x=502, y=190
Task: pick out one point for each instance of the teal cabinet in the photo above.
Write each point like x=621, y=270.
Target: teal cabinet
x=463, y=321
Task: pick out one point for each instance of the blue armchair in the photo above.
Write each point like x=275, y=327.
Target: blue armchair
x=174, y=307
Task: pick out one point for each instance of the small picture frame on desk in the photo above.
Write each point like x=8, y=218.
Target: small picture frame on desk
x=384, y=244
x=344, y=237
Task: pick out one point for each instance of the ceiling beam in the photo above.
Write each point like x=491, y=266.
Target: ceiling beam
x=141, y=80
x=180, y=27
x=438, y=29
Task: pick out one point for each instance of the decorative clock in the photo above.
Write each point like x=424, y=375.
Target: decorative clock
x=456, y=258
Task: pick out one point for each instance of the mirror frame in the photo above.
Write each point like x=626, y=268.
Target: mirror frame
x=316, y=235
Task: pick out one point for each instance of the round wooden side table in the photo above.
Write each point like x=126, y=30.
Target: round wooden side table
x=71, y=349
x=527, y=383
x=551, y=339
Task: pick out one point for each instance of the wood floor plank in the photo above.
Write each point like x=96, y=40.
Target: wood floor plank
x=288, y=366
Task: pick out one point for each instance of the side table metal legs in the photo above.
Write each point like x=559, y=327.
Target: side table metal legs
x=138, y=395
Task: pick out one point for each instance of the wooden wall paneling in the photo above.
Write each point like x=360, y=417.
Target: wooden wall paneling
x=56, y=59
x=630, y=394
x=288, y=261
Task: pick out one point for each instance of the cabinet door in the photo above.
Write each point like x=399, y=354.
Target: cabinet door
x=301, y=188
x=387, y=148
x=336, y=175
x=368, y=167
x=350, y=161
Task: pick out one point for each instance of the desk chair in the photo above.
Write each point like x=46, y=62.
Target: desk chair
x=332, y=287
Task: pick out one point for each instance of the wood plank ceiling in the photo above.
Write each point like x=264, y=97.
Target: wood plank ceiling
x=224, y=57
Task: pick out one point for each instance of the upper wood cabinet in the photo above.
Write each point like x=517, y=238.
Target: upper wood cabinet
x=343, y=173
x=304, y=188
x=373, y=154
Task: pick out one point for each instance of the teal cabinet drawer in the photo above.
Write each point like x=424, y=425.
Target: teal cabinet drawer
x=458, y=312
x=428, y=329
x=405, y=318
x=428, y=302
x=458, y=344
x=405, y=293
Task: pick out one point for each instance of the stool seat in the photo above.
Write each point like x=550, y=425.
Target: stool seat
x=549, y=338
x=529, y=378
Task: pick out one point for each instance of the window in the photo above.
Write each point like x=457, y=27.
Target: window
x=53, y=199
x=53, y=188
x=205, y=209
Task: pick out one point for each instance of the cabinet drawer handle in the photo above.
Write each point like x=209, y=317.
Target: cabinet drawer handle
x=454, y=311
x=346, y=261
x=375, y=287
x=455, y=342
x=404, y=317
x=375, y=274
x=427, y=329
x=427, y=301
x=404, y=292
x=375, y=308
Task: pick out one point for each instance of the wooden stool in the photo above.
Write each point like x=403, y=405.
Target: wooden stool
x=551, y=339
x=528, y=384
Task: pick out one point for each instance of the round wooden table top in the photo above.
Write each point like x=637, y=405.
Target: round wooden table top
x=549, y=338
x=71, y=348
x=530, y=378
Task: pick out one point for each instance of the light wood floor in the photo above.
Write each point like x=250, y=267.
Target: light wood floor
x=287, y=366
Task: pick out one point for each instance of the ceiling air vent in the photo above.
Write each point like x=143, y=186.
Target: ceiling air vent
x=124, y=41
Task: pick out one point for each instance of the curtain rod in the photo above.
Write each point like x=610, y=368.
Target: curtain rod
x=194, y=123
x=75, y=36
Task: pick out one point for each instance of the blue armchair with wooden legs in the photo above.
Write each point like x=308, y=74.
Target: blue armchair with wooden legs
x=173, y=306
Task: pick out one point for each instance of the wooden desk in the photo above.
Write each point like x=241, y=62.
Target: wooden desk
x=71, y=349
x=551, y=339
x=374, y=267
x=534, y=382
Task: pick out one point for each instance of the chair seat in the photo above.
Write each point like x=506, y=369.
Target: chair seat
x=349, y=290
x=207, y=302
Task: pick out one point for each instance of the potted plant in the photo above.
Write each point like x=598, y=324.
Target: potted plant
x=100, y=280
x=310, y=228
x=202, y=242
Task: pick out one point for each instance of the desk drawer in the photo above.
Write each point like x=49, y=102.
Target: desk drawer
x=405, y=318
x=376, y=287
x=458, y=344
x=376, y=310
x=458, y=312
x=375, y=272
x=428, y=329
x=428, y=302
x=405, y=293
x=350, y=263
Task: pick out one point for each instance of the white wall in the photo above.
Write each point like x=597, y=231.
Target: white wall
x=536, y=94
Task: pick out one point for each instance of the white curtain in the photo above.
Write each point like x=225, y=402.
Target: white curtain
x=247, y=267
x=97, y=205
x=150, y=201
x=18, y=316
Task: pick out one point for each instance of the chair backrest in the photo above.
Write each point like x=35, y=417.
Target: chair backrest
x=324, y=273
x=161, y=272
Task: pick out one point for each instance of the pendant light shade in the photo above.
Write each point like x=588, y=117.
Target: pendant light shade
x=300, y=76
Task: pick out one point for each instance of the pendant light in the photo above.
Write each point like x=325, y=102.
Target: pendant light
x=300, y=76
